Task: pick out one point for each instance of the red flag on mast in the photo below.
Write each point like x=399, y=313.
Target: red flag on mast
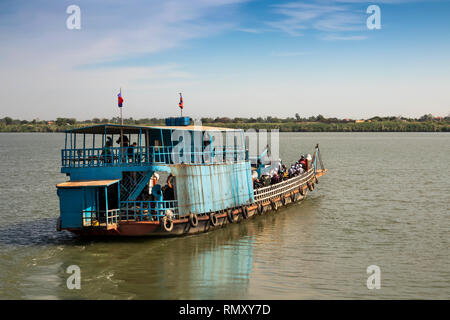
x=180, y=104
x=120, y=99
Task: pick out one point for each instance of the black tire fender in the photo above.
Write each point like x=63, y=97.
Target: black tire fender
x=260, y=208
x=244, y=212
x=230, y=215
x=303, y=191
x=193, y=220
x=167, y=224
x=213, y=219
x=274, y=205
x=293, y=197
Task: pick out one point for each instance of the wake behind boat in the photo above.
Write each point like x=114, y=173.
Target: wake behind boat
x=119, y=191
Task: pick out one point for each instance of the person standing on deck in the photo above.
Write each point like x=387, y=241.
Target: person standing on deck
x=302, y=162
x=124, y=147
x=133, y=154
x=107, y=152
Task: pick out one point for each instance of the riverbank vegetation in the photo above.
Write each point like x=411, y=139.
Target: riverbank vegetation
x=426, y=123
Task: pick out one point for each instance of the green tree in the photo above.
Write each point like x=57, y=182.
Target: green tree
x=320, y=118
x=8, y=120
x=60, y=121
x=426, y=117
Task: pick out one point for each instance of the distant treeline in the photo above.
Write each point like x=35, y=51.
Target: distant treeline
x=426, y=123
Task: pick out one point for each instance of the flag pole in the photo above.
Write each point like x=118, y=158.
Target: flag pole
x=181, y=106
x=121, y=123
x=121, y=116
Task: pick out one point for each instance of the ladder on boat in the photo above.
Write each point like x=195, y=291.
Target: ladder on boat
x=133, y=183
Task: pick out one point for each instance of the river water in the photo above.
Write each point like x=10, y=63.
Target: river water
x=385, y=201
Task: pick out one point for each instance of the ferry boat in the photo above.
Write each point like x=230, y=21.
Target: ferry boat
x=165, y=186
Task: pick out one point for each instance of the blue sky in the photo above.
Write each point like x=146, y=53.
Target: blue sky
x=229, y=58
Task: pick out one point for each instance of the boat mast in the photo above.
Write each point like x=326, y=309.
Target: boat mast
x=121, y=116
x=121, y=123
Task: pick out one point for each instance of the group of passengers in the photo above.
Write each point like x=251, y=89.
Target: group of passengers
x=281, y=173
x=156, y=198
x=156, y=192
x=127, y=156
x=297, y=168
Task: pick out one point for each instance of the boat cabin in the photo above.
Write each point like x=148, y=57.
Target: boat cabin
x=143, y=173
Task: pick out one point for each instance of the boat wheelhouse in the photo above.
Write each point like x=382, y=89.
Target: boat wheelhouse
x=164, y=180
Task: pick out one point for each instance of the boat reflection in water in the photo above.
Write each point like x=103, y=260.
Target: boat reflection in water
x=207, y=266
x=223, y=267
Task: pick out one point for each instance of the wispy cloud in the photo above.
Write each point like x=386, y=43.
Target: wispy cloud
x=74, y=71
x=111, y=29
x=330, y=16
x=250, y=30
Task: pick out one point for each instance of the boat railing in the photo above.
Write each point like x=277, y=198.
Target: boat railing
x=148, y=210
x=100, y=218
x=109, y=156
x=132, y=156
x=286, y=186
